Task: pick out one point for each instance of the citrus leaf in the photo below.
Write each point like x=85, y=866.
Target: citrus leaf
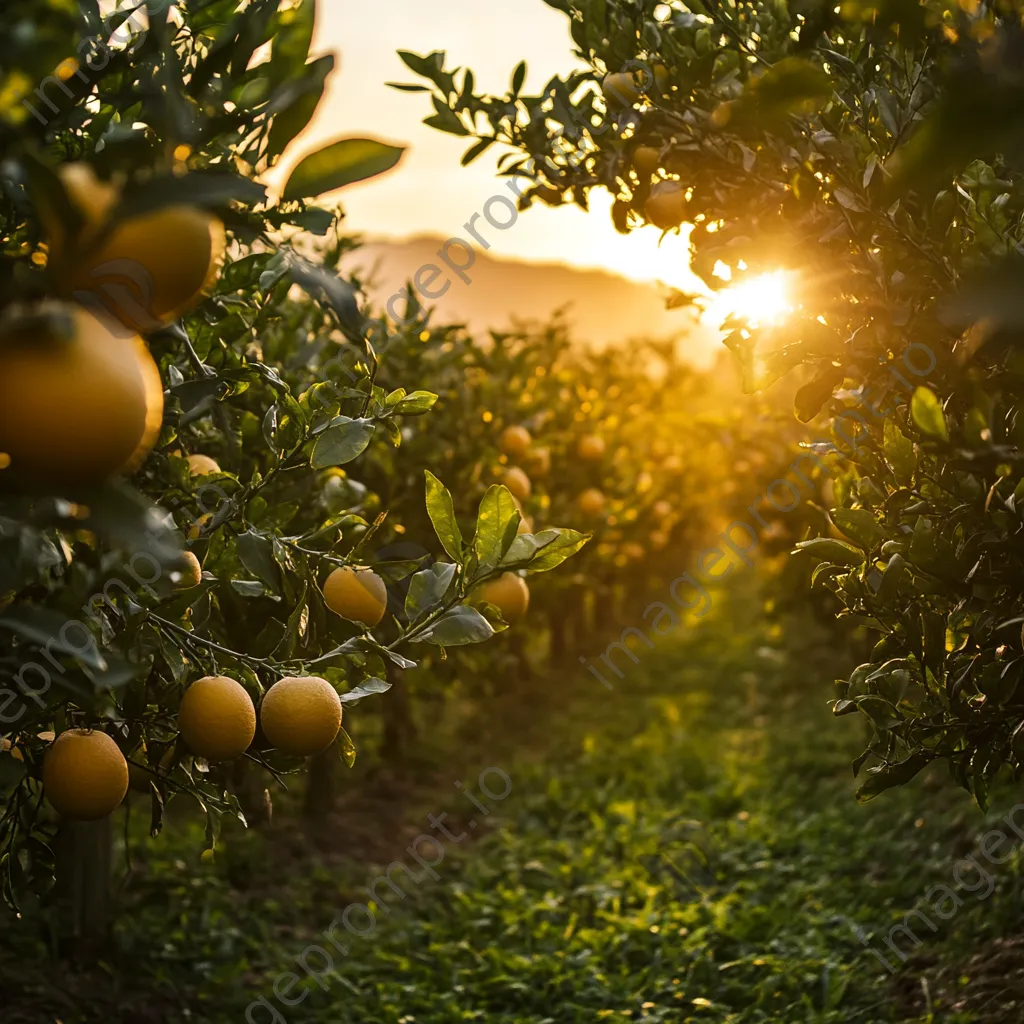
x=441, y=510
x=340, y=164
x=926, y=411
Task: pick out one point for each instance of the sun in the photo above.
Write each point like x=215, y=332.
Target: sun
x=761, y=301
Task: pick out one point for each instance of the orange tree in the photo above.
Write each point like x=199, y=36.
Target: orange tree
x=144, y=619
x=870, y=149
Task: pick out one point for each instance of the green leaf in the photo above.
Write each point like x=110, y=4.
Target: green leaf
x=540, y=552
x=829, y=550
x=342, y=442
x=926, y=412
x=47, y=629
x=256, y=553
x=899, y=452
x=296, y=104
x=346, y=748
x=366, y=688
x=441, y=510
x=458, y=626
x=518, y=77
x=340, y=164
x=416, y=404
x=427, y=589
x=293, y=39
x=497, y=509
x=888, y=775
x=860, y=525
x=475, y=150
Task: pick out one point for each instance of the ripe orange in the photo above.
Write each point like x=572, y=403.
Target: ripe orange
x=94, y=200
x=666, y=206
x=518, y=483
x=626, y=87
x=190, y=573
x=591, y=448
x=85, y=775
x=514, y=441
x=301, y=715
x=357, y=594
x=633, y=551
x=646, y=159
x=621, y=87
x=509, y=594
x=217, y=718
x=79, y=400
x=202, y=465
x=148, y=270
x=198, y=528
x=539, y=461
x=591, y=502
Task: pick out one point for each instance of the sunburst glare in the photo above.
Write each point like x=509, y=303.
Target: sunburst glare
x=761, y=301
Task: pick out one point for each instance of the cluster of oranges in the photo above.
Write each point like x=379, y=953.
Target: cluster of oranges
x=85, y=775
x=81, y=398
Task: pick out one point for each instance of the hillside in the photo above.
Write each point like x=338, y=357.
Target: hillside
x=603, y=308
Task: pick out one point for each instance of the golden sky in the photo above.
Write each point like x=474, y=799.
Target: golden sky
x=429, y=193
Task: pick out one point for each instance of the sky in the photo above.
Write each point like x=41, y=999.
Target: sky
x=429, y=193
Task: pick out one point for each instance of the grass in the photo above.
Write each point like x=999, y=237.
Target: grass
x=686, y=848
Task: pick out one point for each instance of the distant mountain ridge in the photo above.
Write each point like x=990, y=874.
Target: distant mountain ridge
x=601, y=307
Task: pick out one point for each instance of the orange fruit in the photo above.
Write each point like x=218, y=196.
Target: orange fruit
x=149, y=270
x=591, y=502
x=357, y=594
x=301, y=715
x=85, y=775
x=518, y=483
x=621, y=87
x=94, y=200
x=539, y=461
x=202, y=465
x=514, y=441
x=190, y=573
x=217, y=718
x=646, y=159
x=591, y=448
x=508, y=593
x=198, y=528
x=666, y=206
x=80, y=398
x=633, y=551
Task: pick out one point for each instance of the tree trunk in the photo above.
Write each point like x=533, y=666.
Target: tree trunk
x=321, y=788
x=82, y=908
x=253, y=796
x=399, y=727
